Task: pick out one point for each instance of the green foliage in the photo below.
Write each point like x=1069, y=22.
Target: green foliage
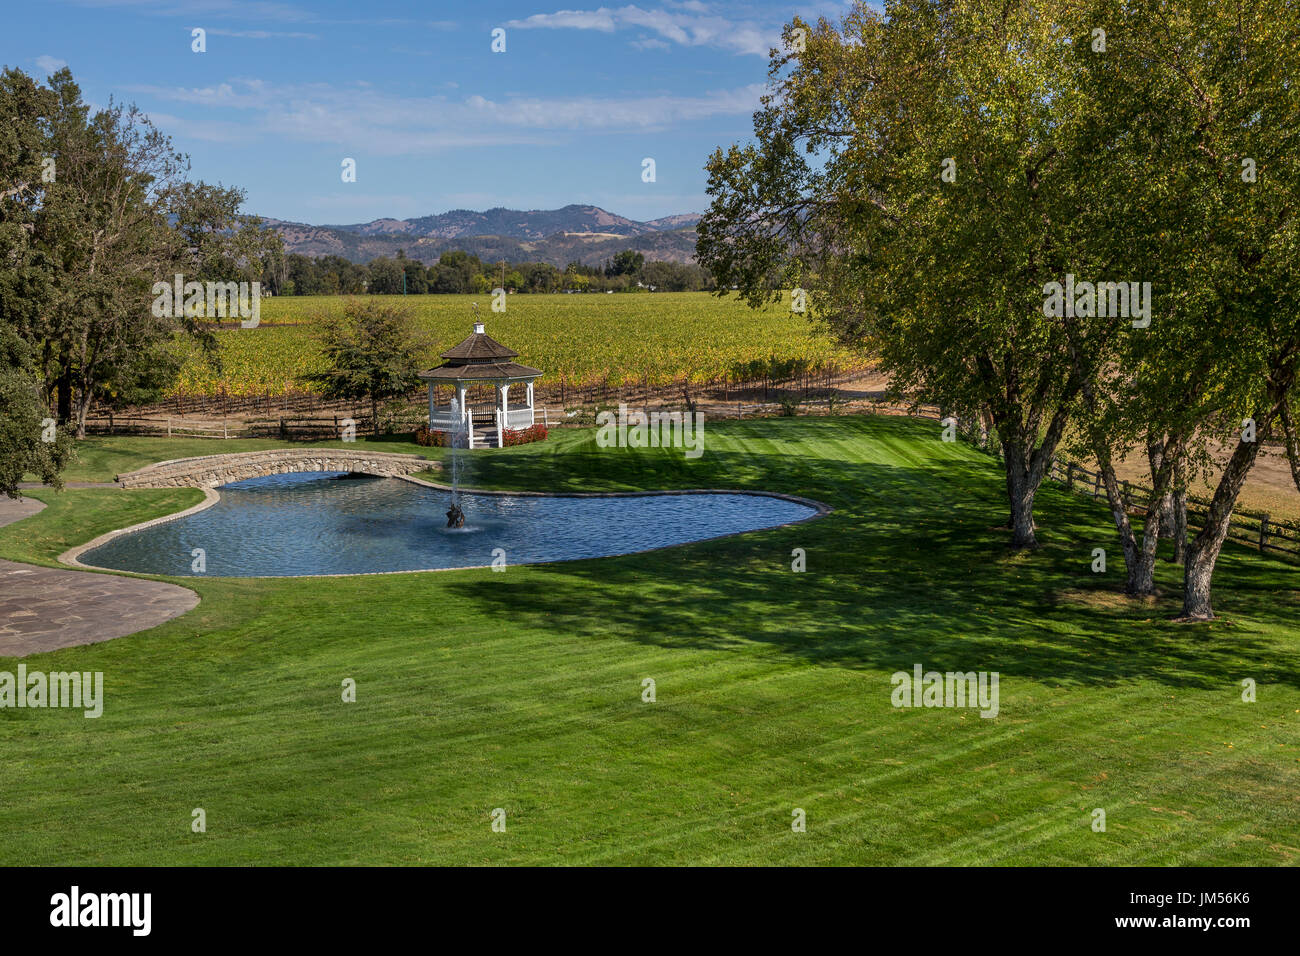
x=94, y=210
x=626, y=263
x=660, y=338
x=920, y=192
x=371, y=352
x=29, y=444
x=384, y=276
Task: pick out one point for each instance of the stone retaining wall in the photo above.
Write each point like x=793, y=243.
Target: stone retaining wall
x=212, y=471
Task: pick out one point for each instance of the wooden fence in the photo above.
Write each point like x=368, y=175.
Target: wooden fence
x=562, y=392
x=1255, y=529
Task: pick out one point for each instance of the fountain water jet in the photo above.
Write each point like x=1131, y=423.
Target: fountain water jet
x=458, y=439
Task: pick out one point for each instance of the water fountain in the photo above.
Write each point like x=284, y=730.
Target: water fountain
x=458, y=439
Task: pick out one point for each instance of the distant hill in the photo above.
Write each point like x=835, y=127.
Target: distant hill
x=558, y=236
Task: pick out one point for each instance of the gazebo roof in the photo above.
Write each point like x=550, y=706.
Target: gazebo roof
x=488, y=371
x=479, y=358
x=479, y=347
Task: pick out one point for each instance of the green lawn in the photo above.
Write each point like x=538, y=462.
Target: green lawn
x=522, y=690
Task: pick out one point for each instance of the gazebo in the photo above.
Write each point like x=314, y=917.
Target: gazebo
x=480, y=360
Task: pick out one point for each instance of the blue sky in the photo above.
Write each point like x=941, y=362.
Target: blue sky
x=413, y=92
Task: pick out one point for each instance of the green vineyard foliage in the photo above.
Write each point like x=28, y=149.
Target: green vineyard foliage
x=657, y=338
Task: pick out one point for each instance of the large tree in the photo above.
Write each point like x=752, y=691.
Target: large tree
x=1200, y=101
x=103, y=226
x=28, y=445
x=94, y=210
x=372, y=353
x=918, y=172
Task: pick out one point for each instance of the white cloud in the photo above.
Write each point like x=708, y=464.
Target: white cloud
x=50, y=64
x=357, y=117
x=689, y=25
x=602, y=20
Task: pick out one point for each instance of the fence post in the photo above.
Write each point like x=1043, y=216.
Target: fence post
x=1069, y=477
x=169, y=427
x=1263, y=531
x=1096, y=485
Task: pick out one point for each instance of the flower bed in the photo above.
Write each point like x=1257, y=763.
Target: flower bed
x=523, y=436
x=430, y=439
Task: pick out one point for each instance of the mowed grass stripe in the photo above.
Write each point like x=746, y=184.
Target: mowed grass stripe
x=523, y=690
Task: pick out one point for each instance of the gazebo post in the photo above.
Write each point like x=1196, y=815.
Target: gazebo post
x=505, y=415
x=532, y=416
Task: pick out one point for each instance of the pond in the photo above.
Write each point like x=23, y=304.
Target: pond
x=325, y=523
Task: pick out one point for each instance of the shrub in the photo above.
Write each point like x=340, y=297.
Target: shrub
x=430, y=439
x=789, y=405
x=523, y=436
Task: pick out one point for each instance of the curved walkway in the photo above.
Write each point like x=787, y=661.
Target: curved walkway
x=44, y=609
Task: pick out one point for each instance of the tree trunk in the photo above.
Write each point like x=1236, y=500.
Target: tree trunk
x=84, y=401
x=1155, y=457
x=65, y=395
x=1180, y=515
x=1164, y=457
x=1141, y=580
x=1196, y=584
x=1203, y=552
x=1292, y=447
x=1022, y=492
x=1023, y=480
x=1139, y=560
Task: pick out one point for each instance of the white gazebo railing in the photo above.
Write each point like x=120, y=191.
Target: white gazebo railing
x=521, y=416
x=442, y=420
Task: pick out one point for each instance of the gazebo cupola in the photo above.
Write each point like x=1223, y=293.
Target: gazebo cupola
x=480, y=360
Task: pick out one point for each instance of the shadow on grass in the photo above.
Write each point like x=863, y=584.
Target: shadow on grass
x=907, y=570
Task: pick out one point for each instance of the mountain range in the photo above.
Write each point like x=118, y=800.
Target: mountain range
x=587, y=234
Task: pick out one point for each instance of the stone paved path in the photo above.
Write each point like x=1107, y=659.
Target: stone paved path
x=44, y=609
x=12, y=510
